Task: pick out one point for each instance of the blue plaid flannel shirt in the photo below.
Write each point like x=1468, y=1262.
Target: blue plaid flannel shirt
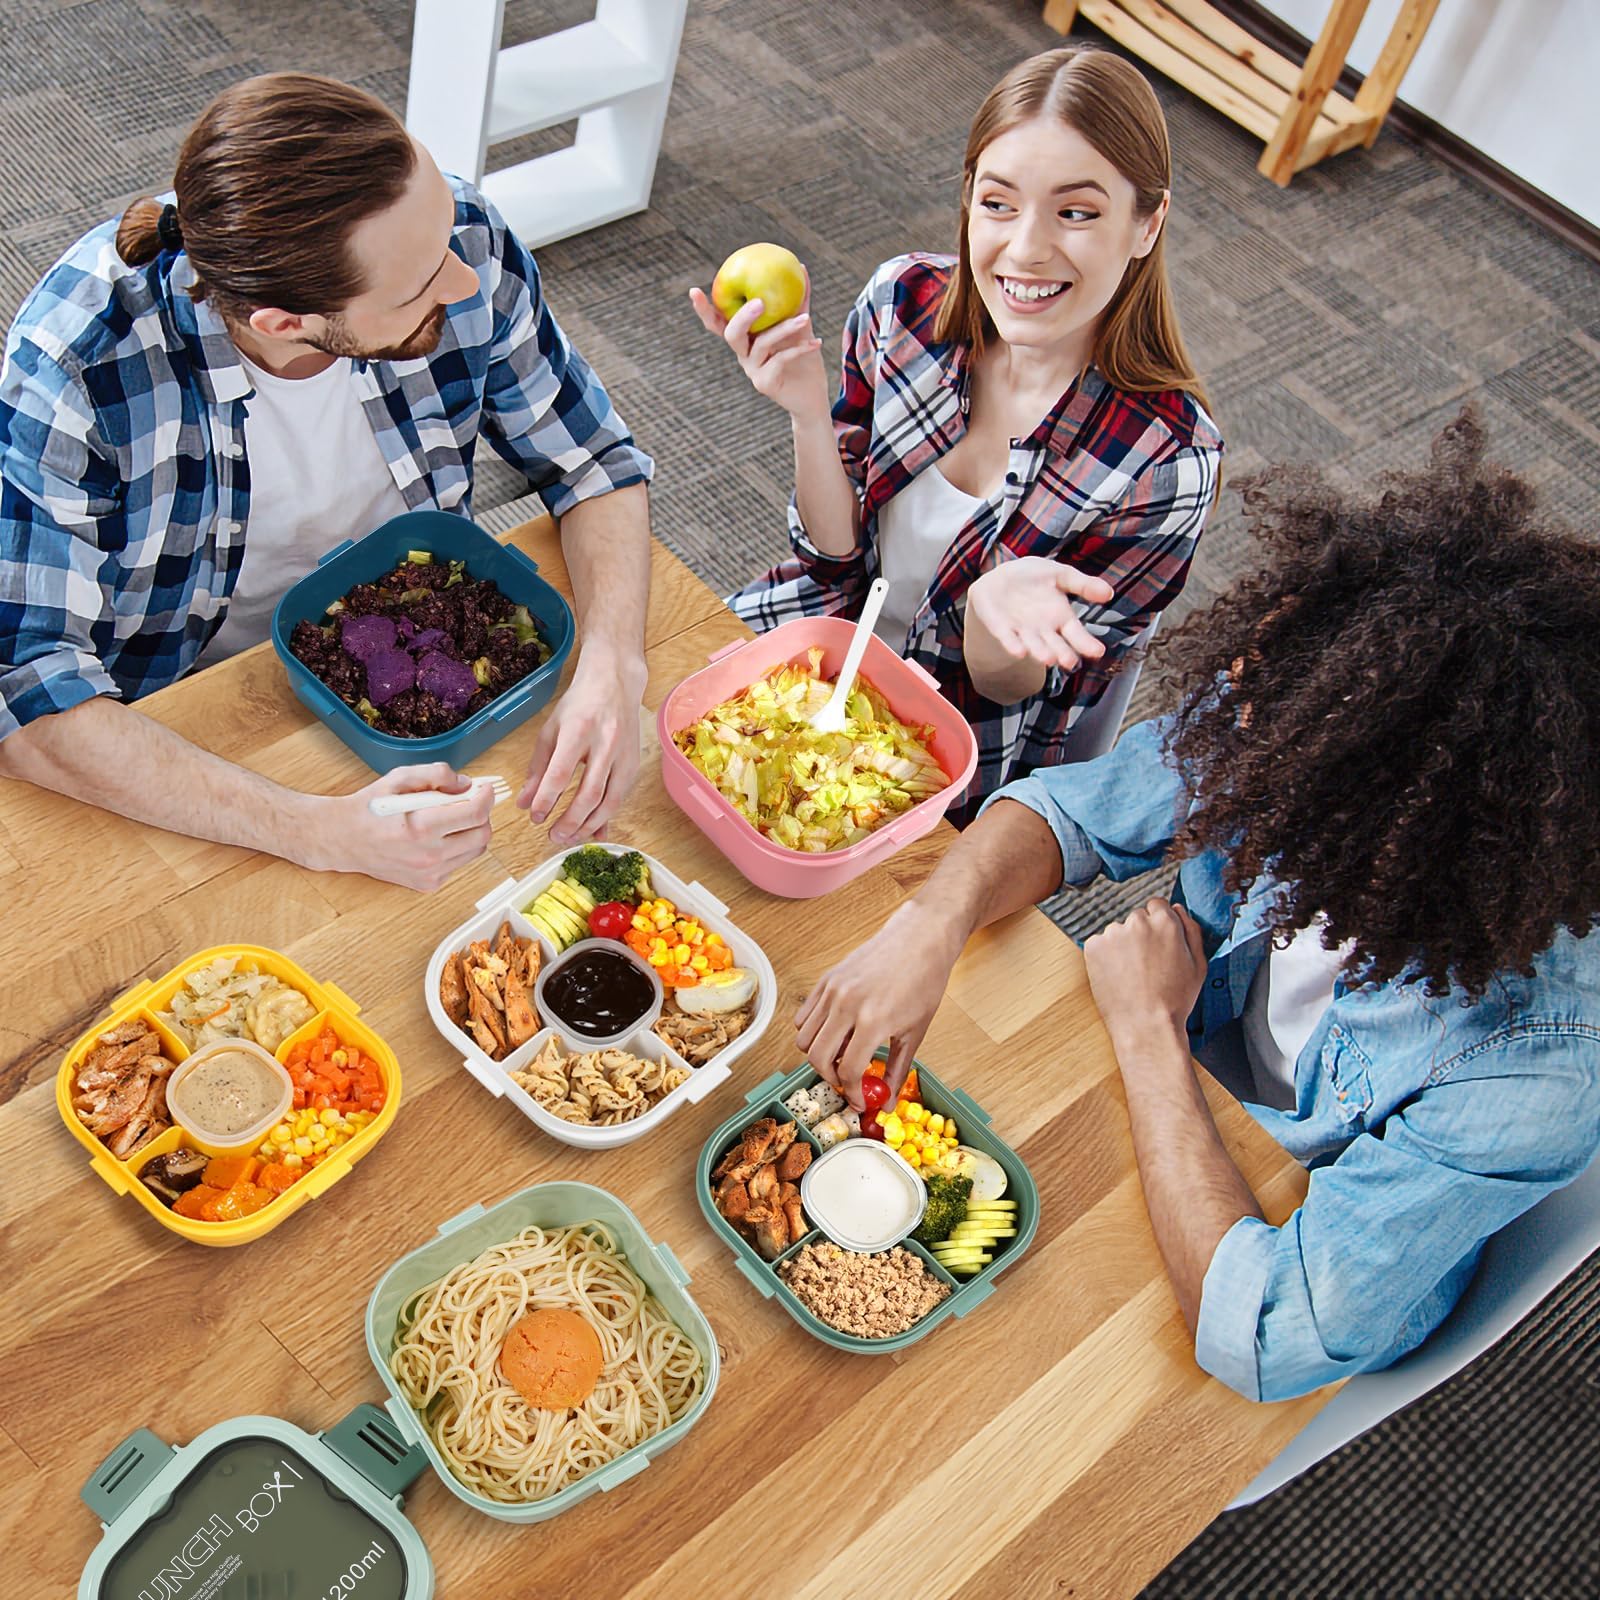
x=124, y=484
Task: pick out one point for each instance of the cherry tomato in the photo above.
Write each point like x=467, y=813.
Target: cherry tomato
x=611, y=920
x=871, y=1128
x=875, y=1094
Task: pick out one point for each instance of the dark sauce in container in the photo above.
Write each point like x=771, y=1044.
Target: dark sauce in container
x=598, y=993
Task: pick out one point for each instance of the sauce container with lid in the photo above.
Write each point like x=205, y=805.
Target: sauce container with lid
x=862, y=1195
x=583, y=951
x=188, y=1107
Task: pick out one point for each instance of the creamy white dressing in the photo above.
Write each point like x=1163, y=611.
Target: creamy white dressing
x=862, y=1194
x=227, y=1093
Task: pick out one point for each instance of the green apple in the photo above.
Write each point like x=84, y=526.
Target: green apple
x=764, y=272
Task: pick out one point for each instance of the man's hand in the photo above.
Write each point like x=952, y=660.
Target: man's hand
x=594, y=725
x=1146, y=971
x=418, y=850
x=884, y=992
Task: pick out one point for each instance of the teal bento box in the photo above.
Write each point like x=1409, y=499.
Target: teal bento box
x=257, y=1509
x=547, y=1205
x=446, y=537
x=967, y=1294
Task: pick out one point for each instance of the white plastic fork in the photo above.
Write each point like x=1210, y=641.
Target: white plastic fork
x=830, y=719
x=397, y=805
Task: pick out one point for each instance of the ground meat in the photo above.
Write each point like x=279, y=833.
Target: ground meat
x=871, y=1296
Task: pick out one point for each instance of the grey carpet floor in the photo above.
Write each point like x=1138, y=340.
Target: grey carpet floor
x=1340, y=322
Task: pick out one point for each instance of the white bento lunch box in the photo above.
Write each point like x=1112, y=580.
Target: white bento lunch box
x=507, y=902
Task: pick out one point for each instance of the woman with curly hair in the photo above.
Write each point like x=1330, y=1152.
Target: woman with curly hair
x=1381, y=782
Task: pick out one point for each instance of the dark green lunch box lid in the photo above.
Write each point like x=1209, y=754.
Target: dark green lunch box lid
x=967, y=1293
x=257, y=1509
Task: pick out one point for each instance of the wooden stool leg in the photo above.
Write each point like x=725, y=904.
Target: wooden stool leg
x=1376, y=94
x=1322, y=70
x=1061, y=14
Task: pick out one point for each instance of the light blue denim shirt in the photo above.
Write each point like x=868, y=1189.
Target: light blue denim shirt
x=1428, y=1124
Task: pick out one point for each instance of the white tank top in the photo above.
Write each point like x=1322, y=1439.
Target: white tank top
x=317, y=476
x=915, y=529
x=1289, y=993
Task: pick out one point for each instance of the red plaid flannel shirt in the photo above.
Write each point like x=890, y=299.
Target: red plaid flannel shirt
x=1117, y=484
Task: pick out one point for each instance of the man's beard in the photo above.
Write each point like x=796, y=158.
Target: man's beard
x=338, y=340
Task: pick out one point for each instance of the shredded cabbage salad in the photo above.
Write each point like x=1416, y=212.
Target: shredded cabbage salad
x=806, y=790
x=214, y=1003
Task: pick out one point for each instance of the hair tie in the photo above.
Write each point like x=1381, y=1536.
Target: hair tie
x=168, y=229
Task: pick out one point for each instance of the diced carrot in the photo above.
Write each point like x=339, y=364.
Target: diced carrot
x=222, y=1172
x=277, y=1177
x=192, y=1202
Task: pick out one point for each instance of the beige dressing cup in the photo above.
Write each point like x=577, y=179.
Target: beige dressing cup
x=193, y=1090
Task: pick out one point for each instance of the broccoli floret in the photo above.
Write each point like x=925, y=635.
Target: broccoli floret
x=605, y=876
x=947, y=1206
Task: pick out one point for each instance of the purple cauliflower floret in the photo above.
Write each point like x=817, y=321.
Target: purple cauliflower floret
x=389, y=672
x=363, y=637
x=451, y=681
x=428, y=639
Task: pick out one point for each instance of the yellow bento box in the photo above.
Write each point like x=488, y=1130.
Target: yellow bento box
x=334, y=1010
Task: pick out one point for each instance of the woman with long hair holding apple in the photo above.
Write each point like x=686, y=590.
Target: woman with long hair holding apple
x=1019, y=427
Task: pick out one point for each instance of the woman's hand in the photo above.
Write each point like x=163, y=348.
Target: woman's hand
x=1024, y=607
x=884, y=992
x=418, y=850
x=783, y=362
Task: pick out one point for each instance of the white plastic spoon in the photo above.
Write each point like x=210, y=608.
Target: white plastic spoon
x=830, y=719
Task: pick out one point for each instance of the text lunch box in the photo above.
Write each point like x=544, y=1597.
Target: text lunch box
x=581, y=1092
x=343, y=1087
x=965, y=1294
x=257, y=1509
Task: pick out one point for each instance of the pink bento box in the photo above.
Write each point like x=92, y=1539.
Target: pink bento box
x=911, y=694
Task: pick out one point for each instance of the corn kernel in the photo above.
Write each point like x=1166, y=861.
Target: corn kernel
x=935, y=1123
x=330, y=1116
x=713, y=938
x=658, y=958
x=294, y=1159
x=282, y=1134
x=680, y=953
x=340, y=1058
x=641, y=922
x=318, y=1134
x=699, y=963
x=303, y=1145
x=950, y=1130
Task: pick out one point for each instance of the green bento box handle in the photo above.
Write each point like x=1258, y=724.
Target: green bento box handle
x=368, y=1441
x=116, y=1483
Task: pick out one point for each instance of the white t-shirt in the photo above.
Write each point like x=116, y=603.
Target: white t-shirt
x=1289, y=993
x=316, y=476
x=915, y=528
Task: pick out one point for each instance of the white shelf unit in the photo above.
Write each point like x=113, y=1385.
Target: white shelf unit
x=613, y=75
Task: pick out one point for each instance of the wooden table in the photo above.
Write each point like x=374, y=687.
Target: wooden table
x=1059, y=1441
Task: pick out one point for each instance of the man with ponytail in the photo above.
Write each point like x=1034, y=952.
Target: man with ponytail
x=1018, y=427
x=203, y=397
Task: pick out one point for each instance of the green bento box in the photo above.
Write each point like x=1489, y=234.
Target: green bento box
x=766, y=1099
